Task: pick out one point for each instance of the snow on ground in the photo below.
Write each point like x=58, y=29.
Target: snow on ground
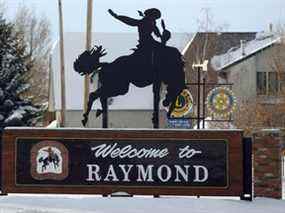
x=96, y=204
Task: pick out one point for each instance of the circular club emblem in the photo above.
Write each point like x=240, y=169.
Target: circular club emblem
x=221, y=101
x=183, y=104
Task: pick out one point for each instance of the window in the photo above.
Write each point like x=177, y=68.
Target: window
x=267, y=83
x=272, y=83
x=261, y=83
x=281, y=77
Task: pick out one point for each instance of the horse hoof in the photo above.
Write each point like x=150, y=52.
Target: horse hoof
x=84, y=122
x=98, y=113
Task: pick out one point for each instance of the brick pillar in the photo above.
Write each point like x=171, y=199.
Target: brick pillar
x=267, y=164
x=1, y=132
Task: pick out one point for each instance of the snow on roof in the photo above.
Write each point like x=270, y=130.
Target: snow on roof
x=188, y=44
x=236, y=54
x=116, y=44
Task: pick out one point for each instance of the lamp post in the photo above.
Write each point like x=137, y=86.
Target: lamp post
x=201, y=67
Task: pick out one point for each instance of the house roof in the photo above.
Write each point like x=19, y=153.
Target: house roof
x=218, y=43
x=205, y=45
x=237, y=54
x=116, y=44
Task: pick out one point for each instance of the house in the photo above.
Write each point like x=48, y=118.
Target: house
x=257, y=70
x=204, y=46
x=133, y=110
x=254, y=67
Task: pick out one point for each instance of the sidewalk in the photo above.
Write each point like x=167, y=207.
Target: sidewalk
x=96, y=204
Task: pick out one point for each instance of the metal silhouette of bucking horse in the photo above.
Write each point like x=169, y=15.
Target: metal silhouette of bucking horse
x=152, y=62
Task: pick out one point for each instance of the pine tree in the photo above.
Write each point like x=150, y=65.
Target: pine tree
x=14, y=110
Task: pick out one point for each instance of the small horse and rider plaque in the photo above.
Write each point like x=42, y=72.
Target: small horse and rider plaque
x=49, y=159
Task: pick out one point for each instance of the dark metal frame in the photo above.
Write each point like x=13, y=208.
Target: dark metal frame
x=201, y=95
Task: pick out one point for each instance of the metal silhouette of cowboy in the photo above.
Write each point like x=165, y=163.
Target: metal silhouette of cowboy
x=152, y=62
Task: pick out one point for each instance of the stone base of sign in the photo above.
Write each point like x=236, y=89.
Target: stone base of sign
x=267, y=151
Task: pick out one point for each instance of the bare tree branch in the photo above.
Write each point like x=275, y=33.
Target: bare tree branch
x=36, y=34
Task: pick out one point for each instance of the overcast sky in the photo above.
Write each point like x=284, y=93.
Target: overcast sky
x=180, y=15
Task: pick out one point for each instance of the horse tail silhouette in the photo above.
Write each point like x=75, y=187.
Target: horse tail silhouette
x=88, y=61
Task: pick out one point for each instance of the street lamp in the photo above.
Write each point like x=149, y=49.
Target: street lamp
x=199, y=67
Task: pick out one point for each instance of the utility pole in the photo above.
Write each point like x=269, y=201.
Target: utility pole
x=62, y=72
x=88, y=47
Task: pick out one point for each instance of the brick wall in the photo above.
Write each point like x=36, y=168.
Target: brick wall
x=267, y=151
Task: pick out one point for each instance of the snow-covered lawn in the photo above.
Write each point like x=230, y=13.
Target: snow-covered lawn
x=95, y=204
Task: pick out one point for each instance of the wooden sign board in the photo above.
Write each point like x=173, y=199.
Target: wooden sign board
x=139, y=162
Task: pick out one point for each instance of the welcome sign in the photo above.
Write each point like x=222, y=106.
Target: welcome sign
x=147, y=162
x=122, y=162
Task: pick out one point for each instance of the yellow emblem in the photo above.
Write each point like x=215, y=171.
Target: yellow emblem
x=183, y=104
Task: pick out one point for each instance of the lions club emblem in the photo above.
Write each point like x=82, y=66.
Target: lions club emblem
x=183, y=104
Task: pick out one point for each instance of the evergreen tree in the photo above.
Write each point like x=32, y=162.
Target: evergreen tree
x=14, y=110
